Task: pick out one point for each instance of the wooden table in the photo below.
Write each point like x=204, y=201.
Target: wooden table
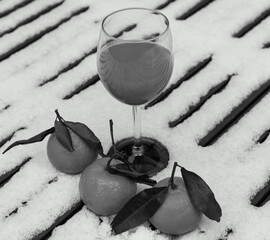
x=216, y=106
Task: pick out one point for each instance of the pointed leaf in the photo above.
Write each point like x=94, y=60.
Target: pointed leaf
x=37, y=138
x=63, y=136
x=201, y=195
x=86, y=135
x=139, y=209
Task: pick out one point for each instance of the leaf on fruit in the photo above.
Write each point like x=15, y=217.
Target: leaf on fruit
x=139, y=209
x=125, y=170
x=201, y=195
x=37, y=138
x=62, y=135
x=86, y=135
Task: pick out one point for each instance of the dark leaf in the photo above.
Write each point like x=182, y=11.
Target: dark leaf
x=63, y=136
x=86, y=135
x=124, y=170
x=37, y=138
x=201, y=195
x=139, y=209
x=145, y=164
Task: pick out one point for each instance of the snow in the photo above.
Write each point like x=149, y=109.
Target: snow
x=23, y=13
x=235, y=166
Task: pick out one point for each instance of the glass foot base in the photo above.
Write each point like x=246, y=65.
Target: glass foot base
x=155, y=156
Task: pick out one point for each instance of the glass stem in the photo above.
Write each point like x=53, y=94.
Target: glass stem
x=137, y=148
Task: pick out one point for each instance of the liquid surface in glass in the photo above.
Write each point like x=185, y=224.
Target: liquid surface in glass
x=135, y=72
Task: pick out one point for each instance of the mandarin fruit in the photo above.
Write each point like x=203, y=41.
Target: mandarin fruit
x=177, y=215
x=70, y=162
x=104, y=193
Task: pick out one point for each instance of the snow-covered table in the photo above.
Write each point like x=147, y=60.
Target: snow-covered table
x=214, y=117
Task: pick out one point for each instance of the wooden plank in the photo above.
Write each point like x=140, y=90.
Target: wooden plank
x=252, y=24
x=4, y=178
x=59, y=221
x=263, y=137
x=68, y=67
x=235, y=115
x=91, y=81
x=127, y=29
x=199, y=6
x=15, y=7
x=75, y=63
x=33, y=17
x=262, y=196
x=266, y=45
x=196, y=107
x=24, y=203
x=40, y=34
x=165, y=4
x=5, y=108
x=190, y=73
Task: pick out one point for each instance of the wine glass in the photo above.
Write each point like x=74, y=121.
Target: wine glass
x=135, y=63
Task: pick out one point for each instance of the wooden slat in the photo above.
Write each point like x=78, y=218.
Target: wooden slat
x=5, y=108
x=263, y=137
x=59, y=221
x=199, y=6
x=31, y=18
x=193, y=108
x=39, y=35
x=190, y=73
x=266, y=199
x=165, y=4
x=24, y=203
x=127, y=29
x=236, y=114
x=4, y=178
x=266, y=45
x=15, y=7
x=262, y=196
x=91, y=81
x=248, y=27
x=68, y=67
x=75, y=63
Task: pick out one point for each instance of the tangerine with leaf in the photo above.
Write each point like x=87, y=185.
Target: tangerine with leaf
x=71, y=147
x=187, y=199
x=177, y=215
x=174, y=205
x=109, y=183
x=70, y=162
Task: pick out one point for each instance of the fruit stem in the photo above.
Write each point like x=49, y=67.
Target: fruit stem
x=112, y=137
x=108, y=166
x=59, y=116
x=117, y=154
x=171, y=182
